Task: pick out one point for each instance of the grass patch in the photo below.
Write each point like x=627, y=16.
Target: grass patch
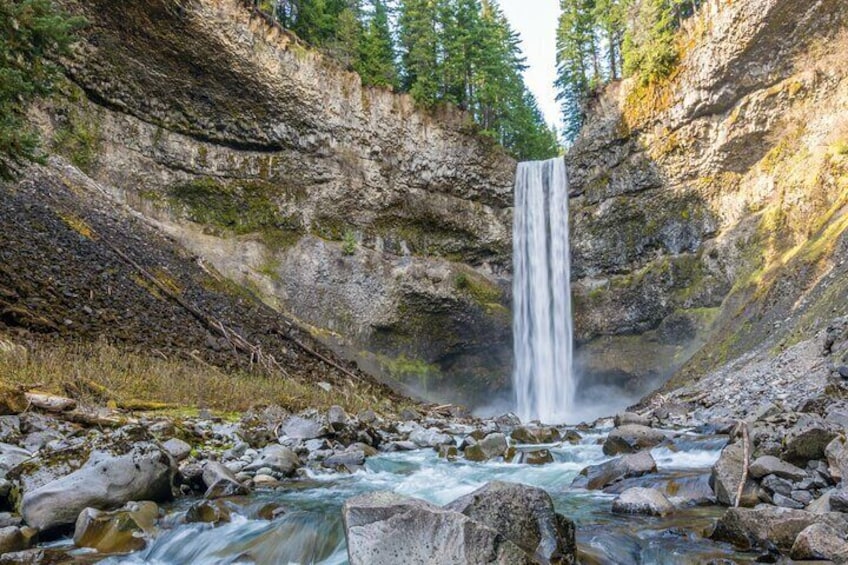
x=135, y=379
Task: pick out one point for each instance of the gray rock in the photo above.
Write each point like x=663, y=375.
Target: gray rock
x=178, y=449
x=775, y=485
x=337, y=417
x=221, y=482
x=119, y=531
x=525, y=515
x=10, y=429
x=819, y=542
x=802, y=496
x=836, y=454
x=108, y=479
x=600, y=476
x=534, y=435
x=807, y=439
x=632, y=438
x=639, y=500
x=491, y=446
x=11, y=456
x=821, y=505
x=207, y=511
x=786, y=502
x=278, y=458
x=297, y=427
x=348, y=459
x=749, y=528
x=536, y=457
x=367, y=417
x=727, y=474
x=839, y=500
x=770, y=465
x=410, y=414
x=385, y=528
x=431, y=437
x=628, y=418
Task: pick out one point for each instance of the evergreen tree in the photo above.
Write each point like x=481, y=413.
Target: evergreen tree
x=345, y=44
x=31, y=31
x=649, y=46
x=377, y=53
x=420, y=50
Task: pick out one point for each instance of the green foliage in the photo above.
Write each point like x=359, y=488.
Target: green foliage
x=377, y=52
x=31, y=31
x=650, y=52
x=349, y=243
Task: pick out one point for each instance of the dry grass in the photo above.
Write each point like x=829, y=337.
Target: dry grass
x=132, y=378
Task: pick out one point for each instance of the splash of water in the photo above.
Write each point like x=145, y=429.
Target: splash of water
x=542, y=325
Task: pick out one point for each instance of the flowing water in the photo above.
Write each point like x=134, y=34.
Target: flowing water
x=311, y=530
x=542, y=324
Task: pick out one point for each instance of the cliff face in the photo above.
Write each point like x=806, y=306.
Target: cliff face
x=710, y=210
x=384, y=229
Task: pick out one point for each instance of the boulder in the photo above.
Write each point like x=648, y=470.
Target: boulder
x=537, y=457
x=178, y=449
x=819, y=542
x=599, y=476
x=533, y=435
x=727, y=474
x=124, y=467
x=349, y=459
x=637, y=500
x=278, y=458
x=337, y=417
x=628, y=418
x=221, y=482
x=297, y=427
x=119, y=531
x=750, y=528
x=50, y=403
x=770, y=465
x=431, y=437
x=12, y=399
x=839, y=500
x=11, y=456
x=385, y=528
x=491, y=446
x=807, y=439
x=836, y=454
x=449, y=452
x=14, y=538
x=632, y=438
x=525, y=515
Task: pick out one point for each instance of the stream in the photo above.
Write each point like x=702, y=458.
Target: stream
x=311, y=529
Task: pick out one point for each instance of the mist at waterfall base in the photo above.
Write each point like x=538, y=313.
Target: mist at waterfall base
x=544, y=379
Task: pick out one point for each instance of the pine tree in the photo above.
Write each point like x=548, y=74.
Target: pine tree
x=377, y=53
x=420, y=50
x=649, y=46
x=31, y=32
x=346, y=42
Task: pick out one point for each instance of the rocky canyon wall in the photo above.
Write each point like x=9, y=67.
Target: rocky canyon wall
x=709, y=210
x=384, y=229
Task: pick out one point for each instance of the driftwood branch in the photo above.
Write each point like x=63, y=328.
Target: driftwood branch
x=745, y=456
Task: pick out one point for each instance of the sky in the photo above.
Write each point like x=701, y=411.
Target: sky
x=536, y=21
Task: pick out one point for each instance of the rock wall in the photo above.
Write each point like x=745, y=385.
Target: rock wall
x=709, y=209
x=383, y=228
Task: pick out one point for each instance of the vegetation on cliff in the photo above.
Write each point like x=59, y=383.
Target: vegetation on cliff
x=460, y=52
x=30, y=32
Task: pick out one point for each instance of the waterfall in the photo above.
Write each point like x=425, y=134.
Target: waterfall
x=542, y=324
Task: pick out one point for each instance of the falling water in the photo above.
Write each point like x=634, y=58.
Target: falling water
x=542, y=324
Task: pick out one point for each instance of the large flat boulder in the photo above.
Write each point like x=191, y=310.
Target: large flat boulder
x=727, y=473
x=525, y=515
x=632, y=438
x=126, y=466
x=638, y=500
x=808, y=439
x=600, y=476
x=385, y=528
x=750, y=528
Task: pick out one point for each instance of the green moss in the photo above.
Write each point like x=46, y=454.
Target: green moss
x=480, y=290
x=349, y=243
x=78, y=136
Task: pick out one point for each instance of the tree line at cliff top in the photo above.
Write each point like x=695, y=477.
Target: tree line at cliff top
x=460, y=52
x=599, y=41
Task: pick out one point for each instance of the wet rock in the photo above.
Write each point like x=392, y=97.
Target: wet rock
x=119, y=531
x=535, y=435
x=749, y=528
x=383, y=526
x=350, y=460
x=431, y=437
x=337, y=418
x=221, y=482
x=400, y=446
x=125, y=467
x=491, y=446
x=599, y=476
x=572, y=437
x=537, y=457
x=271, y=511
x=263, y=480
x=637, y=500
x=628, y=418
x=178, y=449
x=770, y=465
x=727, y=474
x=807, y=439
x=297, y=427
x=836, y=454
x=278, y=458
x=207, y=511
x=525, y=515
x=508, y=420
x=819, y=542
x=449, y=452
x=632, y=438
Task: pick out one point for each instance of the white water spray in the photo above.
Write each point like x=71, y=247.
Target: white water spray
x=542, y=324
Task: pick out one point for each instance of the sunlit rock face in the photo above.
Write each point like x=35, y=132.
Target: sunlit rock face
x=385, y=229
x=706, y=208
